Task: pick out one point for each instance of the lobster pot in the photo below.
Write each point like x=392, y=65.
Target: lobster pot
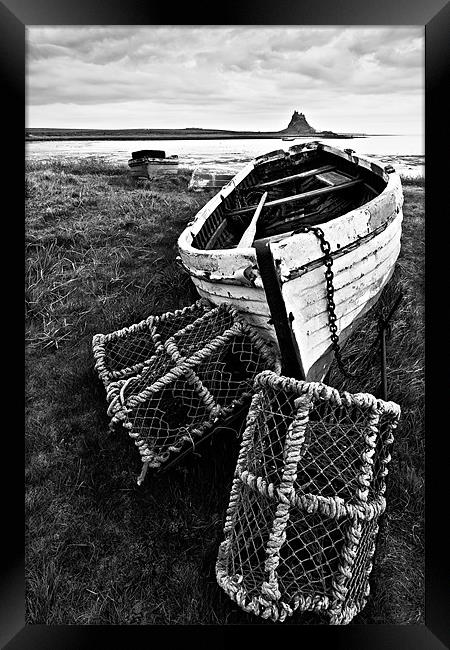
x=126, y=352
x=178, y=375
x=307, y=494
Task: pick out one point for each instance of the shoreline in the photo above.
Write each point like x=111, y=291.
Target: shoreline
x=45, y=137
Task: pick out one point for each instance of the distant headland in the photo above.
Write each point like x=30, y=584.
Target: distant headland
x=297, y=127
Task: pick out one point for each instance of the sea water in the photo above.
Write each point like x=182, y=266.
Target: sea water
x=405, y=152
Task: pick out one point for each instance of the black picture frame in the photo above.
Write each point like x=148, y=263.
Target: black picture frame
x=434, y=15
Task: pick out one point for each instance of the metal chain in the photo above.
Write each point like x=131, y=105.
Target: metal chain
x=331, y=306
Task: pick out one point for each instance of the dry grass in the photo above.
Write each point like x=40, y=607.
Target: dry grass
x=101, y=255
x=414, y=181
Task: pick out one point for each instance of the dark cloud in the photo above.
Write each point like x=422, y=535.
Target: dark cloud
x=220, y=72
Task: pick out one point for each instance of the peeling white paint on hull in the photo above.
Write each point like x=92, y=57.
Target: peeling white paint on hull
x=364, y=242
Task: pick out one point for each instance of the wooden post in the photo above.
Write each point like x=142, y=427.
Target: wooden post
x=383, y=363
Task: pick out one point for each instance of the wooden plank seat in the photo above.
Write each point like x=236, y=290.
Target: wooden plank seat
x=333, y=178
x=294, y=177
x=297, y=197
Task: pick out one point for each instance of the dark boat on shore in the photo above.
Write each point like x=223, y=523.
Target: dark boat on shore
x=146, y=163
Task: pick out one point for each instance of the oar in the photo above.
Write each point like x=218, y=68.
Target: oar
x=249, y=235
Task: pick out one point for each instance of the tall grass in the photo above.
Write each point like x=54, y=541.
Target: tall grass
x=81, y=167
x=412, y=181
x=101, y=255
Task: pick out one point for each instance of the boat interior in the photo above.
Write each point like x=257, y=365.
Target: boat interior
x=280, y=196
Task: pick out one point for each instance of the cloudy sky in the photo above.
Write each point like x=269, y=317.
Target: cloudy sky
x=351, y=79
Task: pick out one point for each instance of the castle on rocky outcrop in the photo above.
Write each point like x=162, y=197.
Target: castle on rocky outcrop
x=299, y=126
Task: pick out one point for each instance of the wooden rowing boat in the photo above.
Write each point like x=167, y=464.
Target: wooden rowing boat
x=257, y=245
x=148, y=163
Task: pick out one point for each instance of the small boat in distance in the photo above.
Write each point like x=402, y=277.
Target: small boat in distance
x=264, y=242
x=209, y=178
x=289, y=138
x=147, y=163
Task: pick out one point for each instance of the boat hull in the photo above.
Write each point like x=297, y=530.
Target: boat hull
x=146, y=168
x=365, y=245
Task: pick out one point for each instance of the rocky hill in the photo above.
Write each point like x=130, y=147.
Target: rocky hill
x=299, y=126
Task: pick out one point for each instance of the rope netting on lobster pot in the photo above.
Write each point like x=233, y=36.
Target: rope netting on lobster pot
x=306, y=498
x=201, y=366
x=127, y=351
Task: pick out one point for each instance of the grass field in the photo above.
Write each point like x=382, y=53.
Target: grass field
x=100, y=255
